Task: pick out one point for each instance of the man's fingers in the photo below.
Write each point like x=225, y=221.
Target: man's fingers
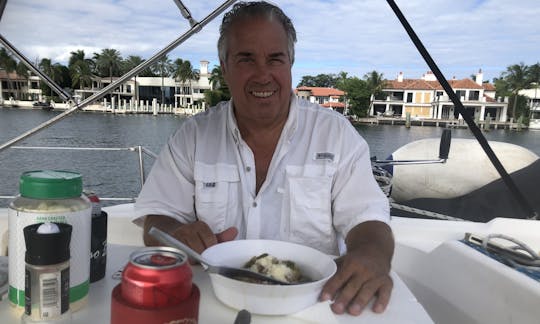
x=378, y=288
x=197, y=236
x=334, y=284
x=227, y=235
x=383, y=296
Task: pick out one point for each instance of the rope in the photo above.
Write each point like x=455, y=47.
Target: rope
x=520, y=247
x=424, y=212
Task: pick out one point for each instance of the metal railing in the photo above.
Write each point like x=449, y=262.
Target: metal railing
x=140, y=150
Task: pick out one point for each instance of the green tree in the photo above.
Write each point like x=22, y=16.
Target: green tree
x=57, y=72
x=22, y=71
x=320, y=80
x=80, y=69
x=375, y=83
x=8, y=64
x=183, y=71
x=516, y=77
x=502, y=89
x=163, y=67
x=108, y=63
x=220, y=89
x=358, y=95
x=129, y=64
x=533, y=75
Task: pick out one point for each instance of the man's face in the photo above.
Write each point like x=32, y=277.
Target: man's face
x=258, y=70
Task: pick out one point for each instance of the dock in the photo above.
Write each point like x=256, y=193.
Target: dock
x=446, y=123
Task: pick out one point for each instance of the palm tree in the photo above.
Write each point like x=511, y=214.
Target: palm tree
x=22, y=71
x=108, y=63
x=516, y=76
x=163, y=67
x=218, y=81
x=375, y=82
x=534, y=80
x=57, y=72
x=46, y=66
x=127, y=65
x=80, y=69
x=184, y=71
x=8, y=64
x=220, y=90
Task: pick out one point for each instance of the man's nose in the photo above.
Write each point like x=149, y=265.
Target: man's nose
x=261, y=72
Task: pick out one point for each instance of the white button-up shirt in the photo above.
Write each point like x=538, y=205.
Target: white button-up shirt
x=319, y=183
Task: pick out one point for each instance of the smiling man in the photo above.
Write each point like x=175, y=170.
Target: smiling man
x=267, y=165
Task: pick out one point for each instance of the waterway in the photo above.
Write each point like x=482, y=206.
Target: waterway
x=116, y=173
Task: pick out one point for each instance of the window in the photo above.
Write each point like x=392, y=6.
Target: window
x=409, y=97
x=474, y=95
x=460, y=94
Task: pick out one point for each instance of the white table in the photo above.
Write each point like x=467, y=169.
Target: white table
x=403, y=307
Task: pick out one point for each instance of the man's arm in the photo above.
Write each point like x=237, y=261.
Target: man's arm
x=197, y=235
x=363, y=272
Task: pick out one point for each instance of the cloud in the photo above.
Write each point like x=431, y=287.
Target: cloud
x=353, y=36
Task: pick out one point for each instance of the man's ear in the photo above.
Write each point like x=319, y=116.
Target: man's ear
x=223, y=68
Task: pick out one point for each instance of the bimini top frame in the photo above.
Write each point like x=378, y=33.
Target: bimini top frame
x=195, y=27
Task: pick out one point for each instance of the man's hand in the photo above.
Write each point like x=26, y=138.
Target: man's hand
x=363, y=272
x=197, y=235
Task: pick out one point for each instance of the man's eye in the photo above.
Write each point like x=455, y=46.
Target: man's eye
x=245, y=59
x=276, y=61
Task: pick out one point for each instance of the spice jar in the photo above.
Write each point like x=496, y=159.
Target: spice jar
x=50, y=196
x=47, y=273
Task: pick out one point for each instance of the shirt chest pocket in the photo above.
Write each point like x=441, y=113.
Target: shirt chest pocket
x=309, y=203
x=216, y=194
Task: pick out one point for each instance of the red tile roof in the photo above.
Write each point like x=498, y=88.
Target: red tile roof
x=489, y=99
x=321, y=92
x=12, y=76
x=333, y=105
x=419, y=84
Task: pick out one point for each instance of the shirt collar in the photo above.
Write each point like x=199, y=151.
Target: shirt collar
x=231, y=121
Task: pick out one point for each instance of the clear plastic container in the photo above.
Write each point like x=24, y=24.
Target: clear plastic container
x=50, y=196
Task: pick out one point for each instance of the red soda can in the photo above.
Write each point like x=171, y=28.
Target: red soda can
x=156, y=288
x=157, y=277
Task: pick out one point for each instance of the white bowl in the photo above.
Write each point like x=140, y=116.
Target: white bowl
x=269, y=299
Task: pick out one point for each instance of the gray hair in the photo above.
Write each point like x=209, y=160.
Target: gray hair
x=243, y=10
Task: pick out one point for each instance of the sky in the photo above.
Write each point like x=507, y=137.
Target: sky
x=355, y=36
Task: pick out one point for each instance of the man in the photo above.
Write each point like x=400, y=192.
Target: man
x=267, y=165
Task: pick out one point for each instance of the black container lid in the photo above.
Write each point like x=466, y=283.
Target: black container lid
x=47, y=248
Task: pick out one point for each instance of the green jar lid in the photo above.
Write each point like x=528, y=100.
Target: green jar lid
x=50, y=184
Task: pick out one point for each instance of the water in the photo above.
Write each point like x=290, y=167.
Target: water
x=116, y=173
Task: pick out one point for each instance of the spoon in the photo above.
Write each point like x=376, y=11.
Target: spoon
x=230, y=272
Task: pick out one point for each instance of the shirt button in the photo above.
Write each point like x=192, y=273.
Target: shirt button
x=254, y=204
x=248, y=169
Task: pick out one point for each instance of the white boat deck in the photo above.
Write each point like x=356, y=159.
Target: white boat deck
x=453, y=282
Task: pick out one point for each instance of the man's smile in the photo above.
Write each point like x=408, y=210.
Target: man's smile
x=262, y=94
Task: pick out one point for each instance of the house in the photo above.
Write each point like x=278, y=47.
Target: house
x=533, y=101
x=138, y=91
x=425, y=98
x=326, y=97
x=14, y=86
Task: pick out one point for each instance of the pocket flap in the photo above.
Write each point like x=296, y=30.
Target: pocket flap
x=210, y=173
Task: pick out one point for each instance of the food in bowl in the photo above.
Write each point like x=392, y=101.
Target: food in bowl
x=284, y=270
x=269, y=299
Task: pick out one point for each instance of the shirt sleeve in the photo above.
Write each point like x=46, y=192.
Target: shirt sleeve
x=169, y=187
x=356, y=196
